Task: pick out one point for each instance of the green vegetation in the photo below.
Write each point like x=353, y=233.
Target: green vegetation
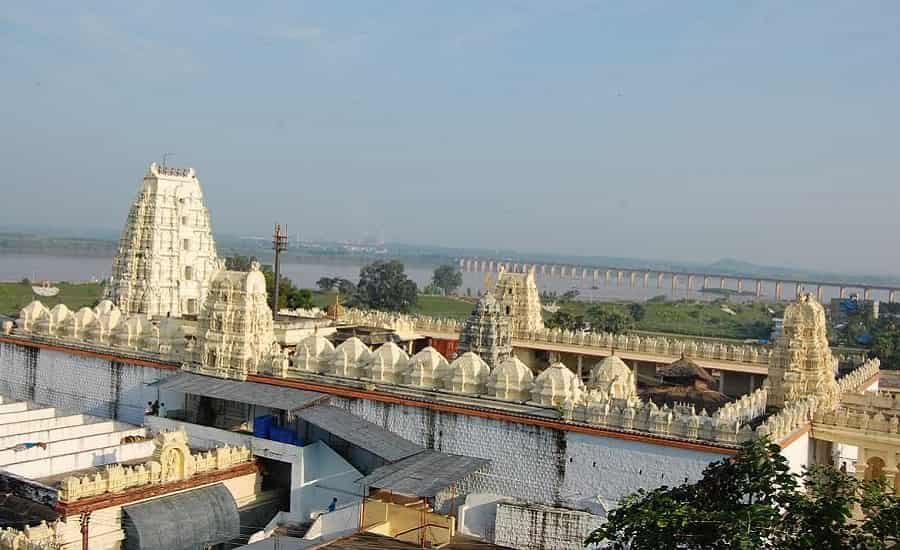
x=384, y=285
x=752, y=500
x=289, y=296
x=15, y=296
x=689, y=317
x=447, y=278
x=23, y=243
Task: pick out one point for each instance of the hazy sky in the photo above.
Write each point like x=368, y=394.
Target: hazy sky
x=765, y=131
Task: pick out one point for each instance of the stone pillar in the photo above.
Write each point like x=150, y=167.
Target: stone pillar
x=891, y=296
x=646, y=279
x=632, y=280
x=721, y=381
x=820, y=293
x=620, y=275
x=674, y=283
x=659, y=280
x=491, y=265
x=750, y=386
x=690, y=283
x=798, y=288
x=759, y=289
x=722, y=282
x=584, y=274
x=706, y=281
x=842, y=292
x=596, y=274
x=740, y=285
x=580, y=361
x=779, y=290
x=608, y=277
x=867, y=294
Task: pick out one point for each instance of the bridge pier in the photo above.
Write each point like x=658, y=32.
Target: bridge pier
x=646, y=280
x=706, y=281
x=740, y=285
x=619, y=277
x=779, y=290
x=584, y=274
x=552, y=271
x=867, y=294
x=722, y=283
x=798, y=289
x=891, y=296
x=632, y=280
x=842, y=293
x=674, y=283
x=596, y=274
x=690, y=283
x=820, y=293
x=608, y=277
x=759, y=289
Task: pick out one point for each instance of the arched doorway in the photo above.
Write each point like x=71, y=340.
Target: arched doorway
x=874, y=468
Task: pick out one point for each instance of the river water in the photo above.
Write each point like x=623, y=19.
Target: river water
x=305, y=272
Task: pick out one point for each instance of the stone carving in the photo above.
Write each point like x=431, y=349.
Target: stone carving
x=425, y=369
x=613, y=377
x=511, y=381
x=167, y=255
x=802, y=363
x=349, y=359
x=388, y=364
x=467, y=374
x=43, y=536
x=486, y=332
x=520, y=300
x=236, y=333
x=556, y=385
x=171, y=461
x=313, y=354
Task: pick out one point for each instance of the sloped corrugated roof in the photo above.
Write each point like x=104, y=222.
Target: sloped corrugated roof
x=359, y=432
x=194, y=519
x=276, y=397
x=423, y=474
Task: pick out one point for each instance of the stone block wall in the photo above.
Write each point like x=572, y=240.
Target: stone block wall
x=542, y=528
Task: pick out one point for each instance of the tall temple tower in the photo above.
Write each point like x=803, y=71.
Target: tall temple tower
x=167, y=255
x=801, y=363
x=520, y=300
x=487, y=332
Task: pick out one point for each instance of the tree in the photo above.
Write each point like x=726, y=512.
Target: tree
x=239, y=263
x=345, y=287
x=564, y=320
x=327, y=284
x=752, y=500
x=637, y=311
x=447, y=278
x=384, y=285
x=608, y=318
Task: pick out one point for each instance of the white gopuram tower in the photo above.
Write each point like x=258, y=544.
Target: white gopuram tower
x=167, y=255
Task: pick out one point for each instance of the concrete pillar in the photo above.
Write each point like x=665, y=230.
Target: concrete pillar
x=632, y=279
x=608, y=277
x=867, y=294
x=820, y=293
x=798, y=288
x=721, y=381
x=722, y=282
x=659, y=280
x=674, y=283
x=779, y=290
x=740, y=285
x=584, y=274
x=580, y=361
x=750, y=386
x=759, y=289
x=543, y=270
x=842, y=292
x=596, y=274
x=690, y=283
x=620, y=275
x=553, y=271
x=706, y=281
x=462, y=264
x=646, y=279
x=891, y=296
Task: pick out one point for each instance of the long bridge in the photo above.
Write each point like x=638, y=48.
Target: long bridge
x=689, y=280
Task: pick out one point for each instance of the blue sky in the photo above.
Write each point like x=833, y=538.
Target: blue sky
x=765, y=131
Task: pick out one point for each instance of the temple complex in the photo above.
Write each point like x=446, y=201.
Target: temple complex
x=167, y=255
x=365, y=409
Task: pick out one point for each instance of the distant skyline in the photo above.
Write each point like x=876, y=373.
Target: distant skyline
x=764, y=132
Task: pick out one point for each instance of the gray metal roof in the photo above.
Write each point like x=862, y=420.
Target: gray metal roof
x=184, y=521
x=359, y=432
x=423, y=474
x=275, y=397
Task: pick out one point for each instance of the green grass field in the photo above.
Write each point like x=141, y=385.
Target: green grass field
x=15, y=296
x=698, y=318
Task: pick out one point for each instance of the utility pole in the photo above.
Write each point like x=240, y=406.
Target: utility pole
x=279, y=244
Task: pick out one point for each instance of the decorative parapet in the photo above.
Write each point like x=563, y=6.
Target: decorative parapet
x=171, y=462
x=873, y=421
x=794, y=415
x=40, y=537
x=747, y=408
x=853, y=380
